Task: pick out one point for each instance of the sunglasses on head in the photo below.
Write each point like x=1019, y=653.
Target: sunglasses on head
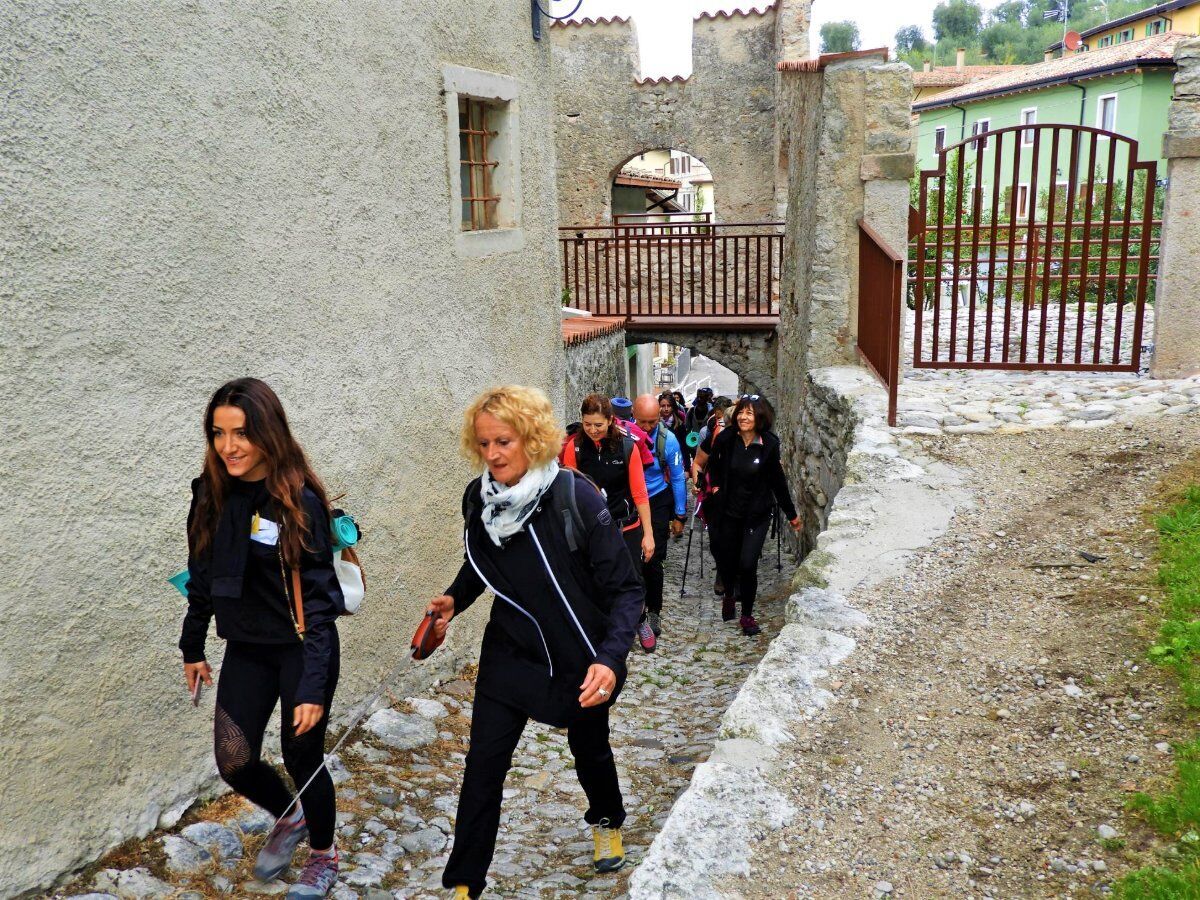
x=749, y=397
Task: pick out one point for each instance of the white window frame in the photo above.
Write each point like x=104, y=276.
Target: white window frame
x=1124, y=35
x=1157, y=26
x=1100, y=113
x=1022, y=210
x=504, y=92
x=939, y=138
x=975, y=132
x=1027, y=133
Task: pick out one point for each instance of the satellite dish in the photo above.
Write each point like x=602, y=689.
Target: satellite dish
x=1072, y=40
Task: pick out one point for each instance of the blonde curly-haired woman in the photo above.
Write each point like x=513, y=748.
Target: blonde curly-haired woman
x=567, y=602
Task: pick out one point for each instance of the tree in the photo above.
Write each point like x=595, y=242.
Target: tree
x=910, y=39
x=957, y=20
x=839, y=37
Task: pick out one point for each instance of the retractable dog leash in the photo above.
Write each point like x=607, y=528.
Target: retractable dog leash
x=424, y=642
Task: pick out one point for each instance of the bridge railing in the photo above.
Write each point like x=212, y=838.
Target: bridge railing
x=673, y=269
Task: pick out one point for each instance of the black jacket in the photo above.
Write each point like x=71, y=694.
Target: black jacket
x=239, y=581
x=774, y=486
x=556, y=612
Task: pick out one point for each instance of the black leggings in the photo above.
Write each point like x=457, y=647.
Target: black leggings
x=495, y=730
x=737, y=547
x=254, y=677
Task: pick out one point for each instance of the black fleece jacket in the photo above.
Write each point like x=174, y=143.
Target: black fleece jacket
x=556, y=612
x=239, y=580
x=771, y=483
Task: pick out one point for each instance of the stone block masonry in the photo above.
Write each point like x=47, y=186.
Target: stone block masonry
x=1177, y=301
x=595, y=361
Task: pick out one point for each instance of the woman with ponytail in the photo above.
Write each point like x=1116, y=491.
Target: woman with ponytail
x=260, y=560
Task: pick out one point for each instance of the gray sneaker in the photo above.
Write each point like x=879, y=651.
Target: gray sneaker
x=655, y=623
x=318, y=878
x=276, y=853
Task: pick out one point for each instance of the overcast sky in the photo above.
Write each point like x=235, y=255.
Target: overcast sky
x=664, y=25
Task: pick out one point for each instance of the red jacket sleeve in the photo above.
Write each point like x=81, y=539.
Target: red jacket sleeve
x=637, y=480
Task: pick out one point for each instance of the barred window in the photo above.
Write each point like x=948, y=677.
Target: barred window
x=477, y=158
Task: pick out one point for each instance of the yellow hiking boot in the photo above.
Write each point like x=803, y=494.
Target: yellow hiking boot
x=462, y=892
x=609, y=855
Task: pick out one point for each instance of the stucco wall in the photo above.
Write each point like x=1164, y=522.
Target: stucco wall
x=595, y=366
x=724, y=114
x=195, y=192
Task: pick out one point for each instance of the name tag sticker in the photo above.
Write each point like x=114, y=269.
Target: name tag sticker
x=267, y=533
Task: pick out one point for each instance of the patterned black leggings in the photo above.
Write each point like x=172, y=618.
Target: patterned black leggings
x=254, y=677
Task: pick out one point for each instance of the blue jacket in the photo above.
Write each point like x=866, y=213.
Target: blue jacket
x=656, y=481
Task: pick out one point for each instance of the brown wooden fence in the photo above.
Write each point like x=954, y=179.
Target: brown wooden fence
x=880, y=289
x=677, y=269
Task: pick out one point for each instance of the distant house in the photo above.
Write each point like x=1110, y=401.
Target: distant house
x=933, y=80
x=663, y=181
x=1182, y=16
x=1123, y=88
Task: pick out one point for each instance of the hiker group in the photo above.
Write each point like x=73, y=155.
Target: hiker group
x=568, y=530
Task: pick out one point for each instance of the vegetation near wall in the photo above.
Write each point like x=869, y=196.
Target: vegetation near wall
x=1014, y=32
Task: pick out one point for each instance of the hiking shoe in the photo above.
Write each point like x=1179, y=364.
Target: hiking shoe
x=646, y=636
x=462, y=892
x=749, y=626
x=609, y=855
x=276, y=853
x=728, y=608
x=655, y=623
x=318, y=877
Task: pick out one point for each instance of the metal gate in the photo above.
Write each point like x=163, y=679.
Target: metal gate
x=1035, y=248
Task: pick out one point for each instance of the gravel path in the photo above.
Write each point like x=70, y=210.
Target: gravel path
x=398, y=788
x=993, y=720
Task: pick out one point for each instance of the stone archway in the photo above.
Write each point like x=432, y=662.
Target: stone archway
x=661, y=180
x=752, y=354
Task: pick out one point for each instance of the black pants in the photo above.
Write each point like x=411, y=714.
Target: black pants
x=495, y=730
x=662, y=511
x=633, y=543
x=737, y=546
x=254, y=677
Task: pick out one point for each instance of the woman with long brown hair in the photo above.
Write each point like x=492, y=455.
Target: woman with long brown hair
x=260, y=560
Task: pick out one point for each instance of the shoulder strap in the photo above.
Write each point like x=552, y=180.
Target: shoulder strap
x=630, y=446
x=298, y=601
x=562, y=497
x=660, y=448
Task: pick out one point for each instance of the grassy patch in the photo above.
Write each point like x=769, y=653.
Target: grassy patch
x=1175, y=812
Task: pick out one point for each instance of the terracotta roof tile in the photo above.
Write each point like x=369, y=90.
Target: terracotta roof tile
x=1158, y=50
x=581, y=329
x=951, y=76
x=819, y=63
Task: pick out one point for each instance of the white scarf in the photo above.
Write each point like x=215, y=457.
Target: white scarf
x=506, y=509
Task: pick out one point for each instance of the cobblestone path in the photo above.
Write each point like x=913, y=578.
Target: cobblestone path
x=398, y=784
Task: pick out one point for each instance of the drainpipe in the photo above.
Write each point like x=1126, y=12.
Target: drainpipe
x=1082, y=98
x=962, y=126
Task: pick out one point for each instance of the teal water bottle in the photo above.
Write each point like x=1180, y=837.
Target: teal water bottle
x=345, y=532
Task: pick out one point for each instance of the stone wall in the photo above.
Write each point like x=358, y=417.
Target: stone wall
x=196, y=192
x=752, y=354
x=1177, y=301
x=847, y=137
x=724, y=113
x=594, y=366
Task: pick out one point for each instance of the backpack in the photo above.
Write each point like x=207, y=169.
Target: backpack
x=660, y=449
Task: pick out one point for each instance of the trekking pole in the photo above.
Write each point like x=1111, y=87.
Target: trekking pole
x=688, y=555
x=778, y=541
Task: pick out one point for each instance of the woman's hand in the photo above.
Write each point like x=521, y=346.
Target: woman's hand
x=796, y=523
x=305, y=717
x=192, y=671
x=443, y=608
x=599, y=678
x=647, y=545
